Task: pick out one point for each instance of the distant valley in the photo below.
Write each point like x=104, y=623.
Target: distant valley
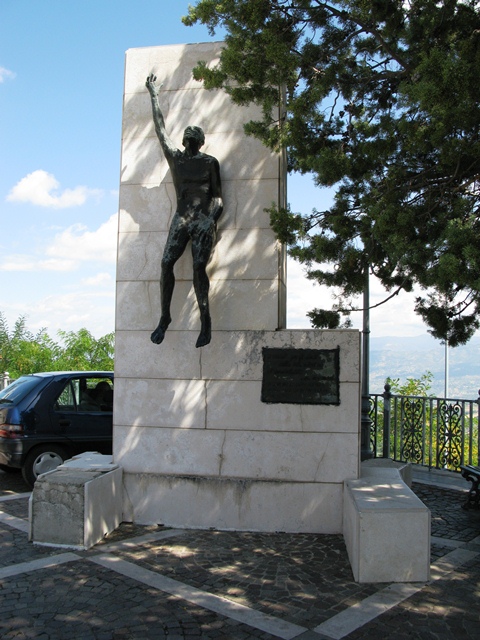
x=403, y=358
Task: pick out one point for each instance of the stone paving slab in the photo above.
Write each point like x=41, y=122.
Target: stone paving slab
x=143, y=583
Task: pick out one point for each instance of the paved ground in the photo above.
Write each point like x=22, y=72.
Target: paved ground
x=149, y=583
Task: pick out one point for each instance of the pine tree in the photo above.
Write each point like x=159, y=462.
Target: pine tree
x=382, y=104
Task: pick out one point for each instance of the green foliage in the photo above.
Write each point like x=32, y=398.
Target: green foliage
x=412, y=386
x=23, y=352
x=83, y=352
x=382, y=103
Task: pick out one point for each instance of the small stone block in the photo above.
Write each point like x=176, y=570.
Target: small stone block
x=75, y=507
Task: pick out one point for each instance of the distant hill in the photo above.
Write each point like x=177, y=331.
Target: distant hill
x=404, y=358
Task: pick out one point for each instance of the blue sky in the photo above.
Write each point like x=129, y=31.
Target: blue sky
x=61, y=86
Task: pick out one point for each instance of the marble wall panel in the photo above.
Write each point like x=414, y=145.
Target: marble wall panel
x=194, y=452
x=239, y=254
x=172, y=64
x=303, y=457
x=150, y=208
x=146, y=208
x=138, y=303
x=186, y=107
x=300, y=457
x=137, y=357
x=166, y=403
x=233, y=505
x=237, y=405
x=240, y=159
x=238, y=354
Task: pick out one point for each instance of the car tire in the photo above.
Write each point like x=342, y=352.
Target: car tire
x=42, y=459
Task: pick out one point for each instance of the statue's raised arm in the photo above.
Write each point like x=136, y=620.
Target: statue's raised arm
x=158, y=120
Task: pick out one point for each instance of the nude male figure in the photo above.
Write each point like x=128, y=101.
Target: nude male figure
x=196, y=177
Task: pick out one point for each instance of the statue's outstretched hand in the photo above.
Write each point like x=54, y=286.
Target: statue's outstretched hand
x=150, y=84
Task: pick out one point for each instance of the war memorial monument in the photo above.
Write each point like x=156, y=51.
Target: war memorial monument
x=223, y=418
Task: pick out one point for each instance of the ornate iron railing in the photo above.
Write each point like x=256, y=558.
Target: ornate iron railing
x=435, y=432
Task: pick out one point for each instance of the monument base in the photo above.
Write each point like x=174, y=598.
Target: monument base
x=200, y=448
x=232, y=504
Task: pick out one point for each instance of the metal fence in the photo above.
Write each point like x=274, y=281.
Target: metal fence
x=439, y=433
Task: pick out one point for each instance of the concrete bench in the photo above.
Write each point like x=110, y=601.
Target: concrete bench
x=77, y=504
x=472, y=474
x=386, y=528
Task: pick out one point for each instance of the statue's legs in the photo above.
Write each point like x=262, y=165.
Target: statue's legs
x=202, y=245
x=175, y=246
x=202, y=286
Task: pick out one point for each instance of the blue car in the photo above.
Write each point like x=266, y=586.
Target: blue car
x=46, y=418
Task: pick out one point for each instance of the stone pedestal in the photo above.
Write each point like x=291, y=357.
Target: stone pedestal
x=77, y=504
x=197, y=445
x=200, y=449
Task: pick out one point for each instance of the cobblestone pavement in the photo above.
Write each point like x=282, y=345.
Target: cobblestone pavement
x=146, y=583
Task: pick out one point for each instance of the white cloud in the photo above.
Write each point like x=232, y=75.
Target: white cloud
x=99, y=279
x=19, y=262
x=91, y=308
x=5, y=74
x=395, y=317
x=69, y=249
x=41, y=188
x=78, y=244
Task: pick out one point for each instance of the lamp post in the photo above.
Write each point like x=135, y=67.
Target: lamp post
x=446, y=369
x=366, y=424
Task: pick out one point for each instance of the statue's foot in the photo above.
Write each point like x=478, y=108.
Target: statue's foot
x=204, y=338
x=159, y=334
x=205, y=332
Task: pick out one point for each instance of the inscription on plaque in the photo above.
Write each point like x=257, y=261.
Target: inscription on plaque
x=301, y=376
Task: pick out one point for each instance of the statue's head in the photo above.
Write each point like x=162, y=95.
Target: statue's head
x=196, y=133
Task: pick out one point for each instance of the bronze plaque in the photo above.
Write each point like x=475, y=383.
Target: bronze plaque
x=301, y=376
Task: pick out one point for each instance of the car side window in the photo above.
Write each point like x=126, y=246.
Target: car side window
x=66, y=400
x=86, y=395
x=96, y=394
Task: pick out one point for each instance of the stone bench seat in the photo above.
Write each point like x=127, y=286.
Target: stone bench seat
x=386, y=528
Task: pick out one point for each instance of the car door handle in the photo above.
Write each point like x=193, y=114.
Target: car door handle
x=64, y=423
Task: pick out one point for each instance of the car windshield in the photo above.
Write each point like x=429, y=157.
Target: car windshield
x=18, y=389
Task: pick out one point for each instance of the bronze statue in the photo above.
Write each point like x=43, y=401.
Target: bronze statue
x=196, y=177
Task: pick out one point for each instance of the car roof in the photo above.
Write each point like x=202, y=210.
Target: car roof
x=49, y=374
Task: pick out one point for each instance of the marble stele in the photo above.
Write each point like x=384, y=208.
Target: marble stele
x=197, y=445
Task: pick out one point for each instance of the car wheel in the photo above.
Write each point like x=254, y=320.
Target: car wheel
x=40, y=460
